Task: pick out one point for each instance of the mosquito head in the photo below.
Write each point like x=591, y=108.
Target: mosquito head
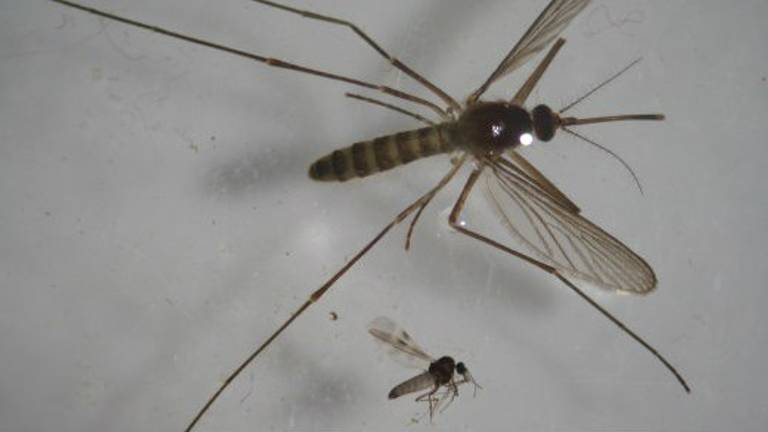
x=545, y=122
x=489, y=128
x=461, y=369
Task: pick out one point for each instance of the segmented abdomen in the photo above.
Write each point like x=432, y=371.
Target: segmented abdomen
x=369, y=157
x=417, y=383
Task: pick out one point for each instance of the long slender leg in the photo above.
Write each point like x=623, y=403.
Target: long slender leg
x=453, y=221
x=315, y=296
x=430, y=397
x=424, y=205
x=373, y=101
x=413, y=224
x=532, y=80
x=452, y=390
x=269, y=61
x=392, y=60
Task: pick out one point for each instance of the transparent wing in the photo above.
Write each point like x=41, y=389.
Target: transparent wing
x=522, y=166
x=402, y=348
x=561, y=237
x=549, y=24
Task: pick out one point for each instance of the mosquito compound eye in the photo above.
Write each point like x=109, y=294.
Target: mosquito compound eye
x=461, y=368
x=544, y=122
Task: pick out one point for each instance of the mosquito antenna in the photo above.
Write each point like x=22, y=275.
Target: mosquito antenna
x=610, y=152
x=599, y=86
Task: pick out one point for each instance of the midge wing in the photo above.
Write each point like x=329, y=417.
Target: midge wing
x=402, y=347
x=561, y=237
x=549, y=24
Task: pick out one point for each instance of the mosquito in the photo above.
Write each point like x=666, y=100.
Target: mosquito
x=485, y=135
x=440, y=373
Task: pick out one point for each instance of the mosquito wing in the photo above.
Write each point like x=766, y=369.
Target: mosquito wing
x=560, y=237
x=402, y=347
x=522, y=166
x=549, y=24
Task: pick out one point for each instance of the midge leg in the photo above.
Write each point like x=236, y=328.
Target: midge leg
x=430, y=398
x=453, y=221
x=315, y=296
x=454, y=106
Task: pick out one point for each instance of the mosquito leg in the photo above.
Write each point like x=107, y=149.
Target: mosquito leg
x=315, y=296
x=392, y=60
x=453, y=220
x=532, y=80
x=373, y=101
x=269, y=61
x=415, y=219
x=413, y=224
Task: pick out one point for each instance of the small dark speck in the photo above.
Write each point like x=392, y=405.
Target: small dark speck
x=47, y=213
x=213, y=221
x=169, y=301
x=287, y=254
x=334, y=316
x=213, y=138
x=762, y=79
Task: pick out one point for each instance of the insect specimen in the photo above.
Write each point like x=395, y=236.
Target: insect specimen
x=437, y=374
x=486, y=135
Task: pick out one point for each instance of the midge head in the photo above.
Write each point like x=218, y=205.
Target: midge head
x=462, y=370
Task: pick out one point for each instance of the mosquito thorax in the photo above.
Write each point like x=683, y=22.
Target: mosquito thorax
x=489, y=128
x=545, y=122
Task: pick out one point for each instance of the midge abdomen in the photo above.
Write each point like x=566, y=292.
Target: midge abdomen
x=364, y=158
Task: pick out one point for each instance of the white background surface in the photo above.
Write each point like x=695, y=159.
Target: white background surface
x=156, y=221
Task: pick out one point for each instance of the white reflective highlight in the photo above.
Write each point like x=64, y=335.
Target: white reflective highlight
x=526, y=139
x=496, y=130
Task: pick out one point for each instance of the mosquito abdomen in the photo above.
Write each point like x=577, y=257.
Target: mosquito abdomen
x=364, y=158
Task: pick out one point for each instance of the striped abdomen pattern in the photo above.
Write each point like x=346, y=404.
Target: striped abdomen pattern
x=369, y=157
